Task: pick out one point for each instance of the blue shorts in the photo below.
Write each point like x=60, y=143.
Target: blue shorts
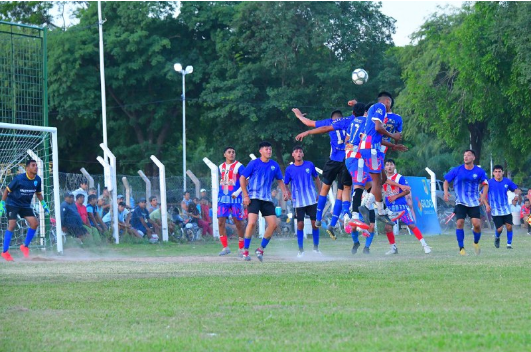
x=234, y=209
x=373, y=166
x=353, y=169
x=407, y=219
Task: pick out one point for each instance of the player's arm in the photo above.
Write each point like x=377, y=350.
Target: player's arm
x=302, y=118
x=318, y=185
x=319, y=130
x=399, y=195
x=100, y=221
x=396, y=184
x=398, y=147
x=285, y=191
x=379, y=127
x=245, y=194
x=446, y=186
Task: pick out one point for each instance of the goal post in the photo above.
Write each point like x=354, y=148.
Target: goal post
x=17, y=144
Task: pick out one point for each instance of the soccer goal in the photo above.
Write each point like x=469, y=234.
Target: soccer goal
x=19, y=143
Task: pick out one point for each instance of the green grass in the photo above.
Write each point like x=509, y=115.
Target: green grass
x=184, y=298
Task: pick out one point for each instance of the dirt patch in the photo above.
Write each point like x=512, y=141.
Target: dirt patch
x=41, y=259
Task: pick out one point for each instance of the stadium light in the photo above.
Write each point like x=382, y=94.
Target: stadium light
x=189, y=69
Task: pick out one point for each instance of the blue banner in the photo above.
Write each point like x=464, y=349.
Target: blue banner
x=420, y=202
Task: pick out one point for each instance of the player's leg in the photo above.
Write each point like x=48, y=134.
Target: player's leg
x=498, y=225
x=460, y=214
x=8, y=234
x=335, y=213
x=223, y=235
x=374, y=165
x=475, y=216
x=330, y=172
x=346, y=181
x=33, y=223
x=311, y=211
x=299, y=215
x=271, y=221
x=391, y=238
x=368, y=240
x=509, y=227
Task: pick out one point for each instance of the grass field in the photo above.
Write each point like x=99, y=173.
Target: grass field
x=184, y=298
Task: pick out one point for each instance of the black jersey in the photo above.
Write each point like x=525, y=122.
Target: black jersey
x=21, y=190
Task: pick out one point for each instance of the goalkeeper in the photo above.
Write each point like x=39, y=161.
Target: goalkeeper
x=19, y=194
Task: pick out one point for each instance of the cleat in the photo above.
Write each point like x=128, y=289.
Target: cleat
x=385, y=219
x=317, y=223
x=24, y=250
x=365, y=233
x=497, y=242
x=427, y=249
x=477, y=249
x=225, y=251
x=300, y=254
x=259, y=254
x=7, y=256
x=395, y=216
x=366, y=250
x=359, y=224
x=246, y=257
x=462, y=251
x=330, y=232
x=316, y=250
x=355, y=248
x=393, y=250
x=509, y=246
x=364, y=211
x=240, y=254
x=346, y=220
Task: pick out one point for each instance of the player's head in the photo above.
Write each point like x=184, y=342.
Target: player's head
x=390, y=166
x=469, y=156
x=142, y=203
x=336, y=114
x=497, y=171
x=265, y=149
x=358, y=109
x=297, y=153
x=229, y=153
x=367, y=107
x=80, y=198
x=31, y=167
x=387, y=99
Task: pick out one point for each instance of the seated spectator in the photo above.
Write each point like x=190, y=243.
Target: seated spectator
x=82, y=210
x=83, y=187
x=120, y=198
x=187, y=199
x=71, y=221
x=524, y=216
x=93, y=215
x=197, y=204
x=153, y=204
x=123, y=221
x=140, y=220
x=205, y=212
x=194, y=213
x=156, y=220
x=203, y=193
x=91, y=191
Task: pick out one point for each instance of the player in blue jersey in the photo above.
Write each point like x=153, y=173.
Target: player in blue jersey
x=19, y=194
x=467, y=180
x=302, y=175
x=229, y=182
x=257, y=196
x=497, y=203
x=334, y=167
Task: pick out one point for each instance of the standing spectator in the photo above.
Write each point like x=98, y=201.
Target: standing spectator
x=93, y=215
x=524, y=216
x=83, y=187
x=203, y=193
x=71, y=220
x=140, y=220
x=205, y=212
x=92, y=190
x=153, y=204
x=515, y=210
x=82, y=210
x=187, y=198
x=274, y=197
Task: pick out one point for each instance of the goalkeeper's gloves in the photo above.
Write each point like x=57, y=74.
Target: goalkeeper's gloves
x=45, y=207
x=2, y=208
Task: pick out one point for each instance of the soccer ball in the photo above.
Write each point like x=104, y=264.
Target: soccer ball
x=360, y=76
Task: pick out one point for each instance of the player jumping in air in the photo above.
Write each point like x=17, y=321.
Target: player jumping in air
x=19, y=195
x=257, y=196
x=396, y=201
x=467, y=180
x=497, y=202
x=302, y=175
x=230, y=172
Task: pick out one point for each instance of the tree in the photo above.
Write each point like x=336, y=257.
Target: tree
x=27, y=12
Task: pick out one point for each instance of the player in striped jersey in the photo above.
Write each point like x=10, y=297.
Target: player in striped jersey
x=229, y=176
x=497, y=203
x=302, y=175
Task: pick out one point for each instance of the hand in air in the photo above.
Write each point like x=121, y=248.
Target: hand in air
x=298, y=113
x=352, y=102
x=301, y=136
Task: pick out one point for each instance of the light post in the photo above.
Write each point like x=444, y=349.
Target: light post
x=189, y=69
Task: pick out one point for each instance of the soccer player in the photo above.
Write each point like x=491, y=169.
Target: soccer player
x=334, y=167
x=19, y=194
x=303, y=194
x=257, y=196
x=467, y=180
x=497, y=201
x=230, y=172
x=396, y=201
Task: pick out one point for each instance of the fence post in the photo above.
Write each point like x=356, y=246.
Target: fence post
x=40, y=173
x=114, y=194
x=214, y=172
x=127, y=191
x=89, y=178
x=163, y=203
x=148, y=183
x=196, y=182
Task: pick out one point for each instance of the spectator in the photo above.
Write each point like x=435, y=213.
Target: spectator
x=106, y=205
x=91, y=191
x=120, y=198
x=153, y=204
x=71, y=220
x=93, y=215
x=194, y=213
x=156, y=220
x=524, y=216
x=99, y=206
x=205, y=211
x=83, y=187
x=123, y=221
x=274, y=197
x=187, y=198
x=203, y=193
x=140, y=220
x=515, y=211
x=82, y=210
x=197, y=205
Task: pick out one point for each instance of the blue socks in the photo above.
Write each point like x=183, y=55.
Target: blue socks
x=477, y=236
x=460, y=234
x=265, y=242
x=300, y=238
x=345, y=208
x=320, y=206
x=29, y=237
x=355, y=235
x=315, y=235
x=510, y=237
x=369, y=240
x=246, y=243
x=7, y=240
x=336, y=212
x=498, y=234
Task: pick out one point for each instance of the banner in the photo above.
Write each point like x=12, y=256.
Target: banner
x=419, y=200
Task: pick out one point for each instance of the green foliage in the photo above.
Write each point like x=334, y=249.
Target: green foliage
x=26, y=12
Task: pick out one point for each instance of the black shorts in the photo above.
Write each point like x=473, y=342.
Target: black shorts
x=310, y=210
x=501, y=220
x=372, y=216
x=262, y=206
x=332, y=170
x=13, y=211
x=346, y=177
x=461, y=211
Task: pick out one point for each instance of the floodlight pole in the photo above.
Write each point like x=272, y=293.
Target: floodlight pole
x=184, y=71
x=102, y=80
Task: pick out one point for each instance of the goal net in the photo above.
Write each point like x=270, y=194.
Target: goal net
x=19, y=143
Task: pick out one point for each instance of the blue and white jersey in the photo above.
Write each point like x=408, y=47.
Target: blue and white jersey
x=392, y=124
x=337, y=139
x=466, y=184
x=261, y=176
x=355, y=132
x=498, y=199
x=301, y=177
x=373, y=139
x=21, y=190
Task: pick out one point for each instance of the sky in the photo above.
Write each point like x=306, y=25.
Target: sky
x=410, y=15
